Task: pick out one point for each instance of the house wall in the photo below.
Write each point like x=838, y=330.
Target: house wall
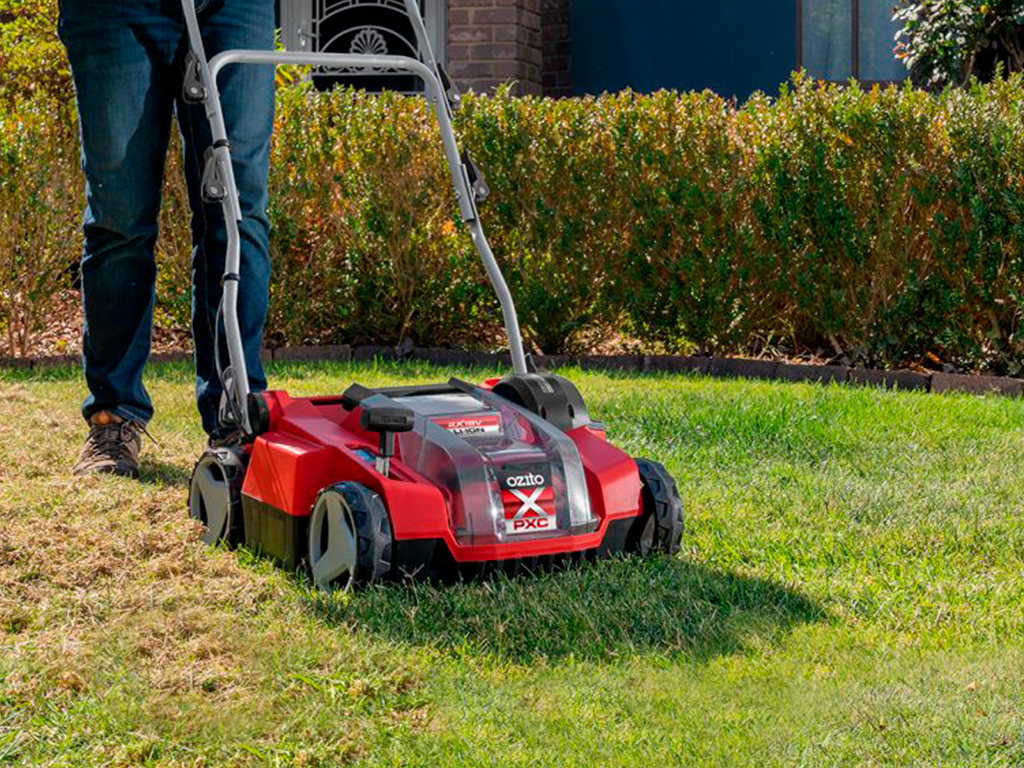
x=526, y=41
x=494, y=41
x=556, y=47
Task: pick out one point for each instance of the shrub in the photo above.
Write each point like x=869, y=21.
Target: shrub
x=31, y=57
x=559, y=214
x=173, y=310
x=365, y=241
x=38, y=224
x=885, y=225
x=946, y=42
x=686, y=262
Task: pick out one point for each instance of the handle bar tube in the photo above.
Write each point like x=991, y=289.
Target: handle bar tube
x=209, y=70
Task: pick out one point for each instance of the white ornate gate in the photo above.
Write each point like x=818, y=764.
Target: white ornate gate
x=360, y=26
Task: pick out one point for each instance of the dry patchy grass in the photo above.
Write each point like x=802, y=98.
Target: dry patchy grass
x=849, y=594
x=107, y=595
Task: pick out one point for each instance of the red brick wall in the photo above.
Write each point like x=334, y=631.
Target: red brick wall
x=556, y=47
x=494, y=41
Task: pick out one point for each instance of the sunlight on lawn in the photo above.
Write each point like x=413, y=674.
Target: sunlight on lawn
x=849, y=592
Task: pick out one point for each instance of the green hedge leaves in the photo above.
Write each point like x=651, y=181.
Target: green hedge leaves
x=886, y=225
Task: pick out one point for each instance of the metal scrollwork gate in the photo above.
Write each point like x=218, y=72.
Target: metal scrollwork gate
x=360, y=26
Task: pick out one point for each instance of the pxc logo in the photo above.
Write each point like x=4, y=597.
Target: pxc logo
x=529, y=502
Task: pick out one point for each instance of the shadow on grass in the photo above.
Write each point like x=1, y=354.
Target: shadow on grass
x=604, y=610
x=155, y=472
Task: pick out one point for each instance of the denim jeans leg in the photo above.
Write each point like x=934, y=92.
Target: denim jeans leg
x=123, y=71
x=247, y=95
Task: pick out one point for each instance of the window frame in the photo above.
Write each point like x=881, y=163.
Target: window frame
x=854, y=47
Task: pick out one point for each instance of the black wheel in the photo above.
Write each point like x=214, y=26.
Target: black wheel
x=349, y=537
x=659, y=528
x=215, y=495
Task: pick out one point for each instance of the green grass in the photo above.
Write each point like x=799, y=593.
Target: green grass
x=849, y=593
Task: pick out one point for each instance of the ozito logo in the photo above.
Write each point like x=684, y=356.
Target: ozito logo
x=524, y=476
x=528, y=499
x=526, y=481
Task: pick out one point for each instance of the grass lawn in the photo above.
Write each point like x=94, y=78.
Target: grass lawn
x=850, y=592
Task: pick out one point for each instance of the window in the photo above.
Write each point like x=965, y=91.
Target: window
x=840, y=39
x=360, y=26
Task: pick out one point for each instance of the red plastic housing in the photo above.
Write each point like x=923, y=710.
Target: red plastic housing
x=313, y=443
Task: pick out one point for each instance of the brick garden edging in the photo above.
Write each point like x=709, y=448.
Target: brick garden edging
x=716, y=367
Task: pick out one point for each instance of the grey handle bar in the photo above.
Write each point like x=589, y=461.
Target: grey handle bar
x=237, y=387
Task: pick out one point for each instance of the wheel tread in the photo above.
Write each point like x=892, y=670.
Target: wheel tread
x=232, y=464
x=661, y=499
x=373, y=532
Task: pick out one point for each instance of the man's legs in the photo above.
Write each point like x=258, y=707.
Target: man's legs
x=122, y=58
x=247, y=95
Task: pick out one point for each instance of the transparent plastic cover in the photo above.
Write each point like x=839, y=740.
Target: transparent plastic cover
x=508, y=474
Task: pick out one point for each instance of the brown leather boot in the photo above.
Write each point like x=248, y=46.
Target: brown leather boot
x=112, y=447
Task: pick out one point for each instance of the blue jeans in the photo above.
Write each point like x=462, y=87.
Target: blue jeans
x=127, y=59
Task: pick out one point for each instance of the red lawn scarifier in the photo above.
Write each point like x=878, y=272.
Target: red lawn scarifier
x=418, y=480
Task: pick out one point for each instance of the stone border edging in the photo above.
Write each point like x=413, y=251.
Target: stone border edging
x=716, y=367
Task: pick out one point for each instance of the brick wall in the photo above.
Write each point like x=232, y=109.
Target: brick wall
x=494, y=41
x=556, y=48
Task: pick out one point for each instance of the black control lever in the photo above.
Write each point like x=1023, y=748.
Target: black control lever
x=477, y=182
x=213, y=185
x=387, y=422
x=192, y=90
x=450, y=88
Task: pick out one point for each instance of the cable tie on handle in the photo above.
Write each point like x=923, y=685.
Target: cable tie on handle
x=221, y=143
x=233, y=276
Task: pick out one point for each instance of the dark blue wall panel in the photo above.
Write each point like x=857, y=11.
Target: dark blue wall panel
x=733, y=47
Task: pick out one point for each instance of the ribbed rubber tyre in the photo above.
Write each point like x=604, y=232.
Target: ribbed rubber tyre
x=659, y=528
x=215, y=495
x=350, y=542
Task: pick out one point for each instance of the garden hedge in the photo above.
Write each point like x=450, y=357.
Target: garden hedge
x=886, y=226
